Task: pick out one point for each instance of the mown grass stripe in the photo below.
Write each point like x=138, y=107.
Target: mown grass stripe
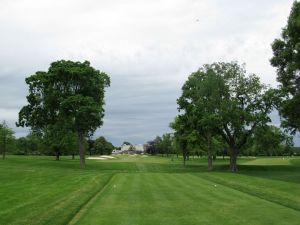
x=89, y=202
x=160, y=198
x=244, y=189
x=145, y=191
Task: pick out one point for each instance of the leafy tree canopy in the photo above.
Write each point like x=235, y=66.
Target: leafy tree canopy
x=102, y=146
x=286, y=58
x=220, y=99
x=70, y=94
x=6, y=137
x=270, y=140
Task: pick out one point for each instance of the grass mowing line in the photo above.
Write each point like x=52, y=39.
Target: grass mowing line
x=89, y=202
x=249, y=192
x=179, y=199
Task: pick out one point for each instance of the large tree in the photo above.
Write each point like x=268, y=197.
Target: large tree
x=233, y=107
x=69, y=94
x=182, y=134
x=199, y=100
x=102, y=146
x=6, y=137
x=286, y=58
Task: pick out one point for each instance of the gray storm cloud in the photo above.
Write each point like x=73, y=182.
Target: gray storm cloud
x=147, y=47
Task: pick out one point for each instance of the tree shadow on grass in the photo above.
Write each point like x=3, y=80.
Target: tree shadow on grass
x=287, y=173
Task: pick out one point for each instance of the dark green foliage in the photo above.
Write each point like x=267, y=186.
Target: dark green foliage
x=6, y=139
x=158, y=148
x=102, y=146
x=126, y=143
x=182, y=134
x=161, y=145
x=91, y=146
x=60, y=141
x=150, y=148
x=286, y=58
x=220, y=100
x=22, y=146
x=32, y=144
x=50, y=142
x=167, y=143
x=202, y=95
x=295, y=150
x=70, y=95
x=270, y=141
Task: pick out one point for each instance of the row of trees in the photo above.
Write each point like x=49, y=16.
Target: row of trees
x=36, y=144
x=6, y=138
x=265, y=141
x=221, y=102
x=161, y=145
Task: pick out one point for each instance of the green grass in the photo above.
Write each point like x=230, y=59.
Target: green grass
x=149, y=190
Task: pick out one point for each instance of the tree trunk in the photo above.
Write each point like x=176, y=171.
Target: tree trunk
x=4, y=149
x=233, y=157
x=184, y=153
x=81, y=149
x=73, y=156
x=209, y=152
x=57, y=156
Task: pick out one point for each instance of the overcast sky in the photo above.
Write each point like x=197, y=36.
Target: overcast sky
x=148, y=48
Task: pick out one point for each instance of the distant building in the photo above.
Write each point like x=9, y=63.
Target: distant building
x=139, y=149
x=116, y=151
x=125, y=148
x=130, y=149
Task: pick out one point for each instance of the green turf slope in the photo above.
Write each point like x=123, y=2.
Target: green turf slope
x=161, y=198
x=138, y=190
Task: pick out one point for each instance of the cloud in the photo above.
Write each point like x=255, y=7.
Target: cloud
x=147, y=47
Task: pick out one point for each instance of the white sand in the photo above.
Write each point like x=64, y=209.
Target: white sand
x=102, y=157
x=97, y=158
x=107, y=156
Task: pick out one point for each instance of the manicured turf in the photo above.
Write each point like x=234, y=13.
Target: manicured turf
x=149, y=190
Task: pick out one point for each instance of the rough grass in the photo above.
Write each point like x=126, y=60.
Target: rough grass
x=149, y=190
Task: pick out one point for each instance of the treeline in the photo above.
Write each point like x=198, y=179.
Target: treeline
x=222, y=105
x=265, y=141
x=36, y=143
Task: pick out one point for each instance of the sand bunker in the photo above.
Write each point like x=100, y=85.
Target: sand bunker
x=107, y=156
x=97, y=158
x=102, y=157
